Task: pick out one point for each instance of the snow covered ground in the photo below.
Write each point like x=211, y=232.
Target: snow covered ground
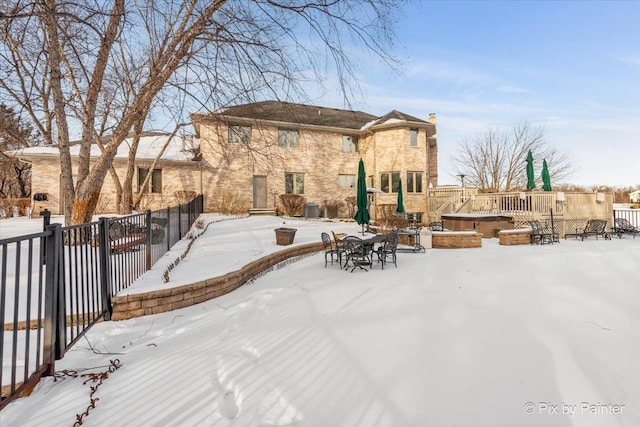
x=494, y=336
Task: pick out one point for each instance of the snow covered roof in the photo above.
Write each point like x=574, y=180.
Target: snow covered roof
x=180, y=148
x=395, y=117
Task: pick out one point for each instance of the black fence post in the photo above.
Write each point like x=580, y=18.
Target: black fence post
x=179, y=222
x=46, y=218
x=105, y=266
x=52, y=346
x=46, y=221
x=168, y=229
x=148, y=245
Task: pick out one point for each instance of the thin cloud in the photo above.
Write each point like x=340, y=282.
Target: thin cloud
x=447, y=72
x=440, y=106
x=513, y=89
x=630, y=60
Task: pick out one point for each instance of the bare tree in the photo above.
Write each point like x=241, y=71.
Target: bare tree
x=15, y=175
x=102, y=66
x=496, y=160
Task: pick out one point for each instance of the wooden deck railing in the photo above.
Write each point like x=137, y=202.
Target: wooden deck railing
x=568, y=208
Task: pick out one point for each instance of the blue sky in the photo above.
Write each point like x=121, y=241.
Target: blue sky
x=573, y=67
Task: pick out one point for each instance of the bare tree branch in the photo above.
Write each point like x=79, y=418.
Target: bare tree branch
x=496, y=160
x=95, y=67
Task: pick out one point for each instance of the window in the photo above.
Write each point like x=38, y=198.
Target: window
x=414, y=182
x=155, y=182
x=287, y=138
x=346, y=181
x=294, y=183
x=413, y=137
x=349, y=144
x=239, y=134
x=389, y=182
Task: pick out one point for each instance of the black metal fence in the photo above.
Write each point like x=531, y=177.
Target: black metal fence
x=56, y=284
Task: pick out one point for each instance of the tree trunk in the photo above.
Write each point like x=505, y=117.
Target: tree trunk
x=127, y=193
x=83, y=208
x=56, y=77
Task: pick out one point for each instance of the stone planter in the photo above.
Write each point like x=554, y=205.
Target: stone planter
x=284, y=236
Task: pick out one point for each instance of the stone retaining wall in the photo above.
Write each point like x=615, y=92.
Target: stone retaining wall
x=129, y=306
x=520, y=236
x=456, y=239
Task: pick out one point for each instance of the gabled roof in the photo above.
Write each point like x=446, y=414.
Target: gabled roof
x=286, y=112
x=178, y=149
x=396, y=116
x=298, y=114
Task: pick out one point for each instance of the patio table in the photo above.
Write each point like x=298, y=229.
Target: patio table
x=368, y=244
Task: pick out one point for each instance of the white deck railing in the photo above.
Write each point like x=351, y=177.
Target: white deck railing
x=571, y=207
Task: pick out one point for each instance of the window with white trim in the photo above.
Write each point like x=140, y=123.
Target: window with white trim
x=389, y=182
x=413, y=137
x=238, y=134
x=349, y=144
x=294, y=183
x=287, y=138
x=154, y=185
x=414, y=182
x=346, y=181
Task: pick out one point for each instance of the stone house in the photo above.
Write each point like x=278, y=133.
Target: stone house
x=176, y=170
x=245, y=156
x=254, y=152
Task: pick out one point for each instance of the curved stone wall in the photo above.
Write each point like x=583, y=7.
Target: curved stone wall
x=129, y=306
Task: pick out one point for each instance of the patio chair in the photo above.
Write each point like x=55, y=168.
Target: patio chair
x=594, y=227
x=542, y=234
x=388, y=249
x=623, y=226
x=330, y=250
x=356, y=253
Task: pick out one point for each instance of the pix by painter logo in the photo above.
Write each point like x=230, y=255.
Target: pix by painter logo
x=562, y=408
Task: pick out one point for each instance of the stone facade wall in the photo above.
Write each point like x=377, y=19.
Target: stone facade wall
x=456, y=240
x=45, y=178
x=389, y=150
x=176, y=176
x=228, y=168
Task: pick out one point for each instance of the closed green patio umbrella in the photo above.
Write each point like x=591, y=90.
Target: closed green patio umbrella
x=400, y=208
x=362, y=215
x=546, y=179
x=531, y=180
